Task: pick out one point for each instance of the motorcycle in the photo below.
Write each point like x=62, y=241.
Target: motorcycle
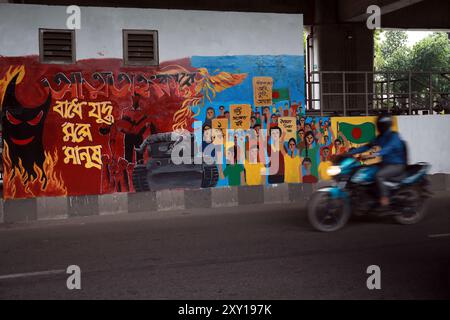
x=354, y=192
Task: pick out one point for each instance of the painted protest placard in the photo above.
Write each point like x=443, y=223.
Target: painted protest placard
x=222, y=126
x=289, y=126
x=240, y=115
x=262, y=91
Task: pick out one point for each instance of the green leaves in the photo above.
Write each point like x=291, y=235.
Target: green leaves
x=430, y=54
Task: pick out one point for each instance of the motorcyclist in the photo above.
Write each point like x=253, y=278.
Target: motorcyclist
x=393, y=153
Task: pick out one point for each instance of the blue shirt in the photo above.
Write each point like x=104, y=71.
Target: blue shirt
x=392, y=148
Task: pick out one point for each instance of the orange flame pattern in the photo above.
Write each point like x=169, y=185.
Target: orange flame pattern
x=19, y=184
x=9, y=75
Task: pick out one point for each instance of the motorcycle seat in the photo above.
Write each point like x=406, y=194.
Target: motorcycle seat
x=410, y=171
x=413, y=169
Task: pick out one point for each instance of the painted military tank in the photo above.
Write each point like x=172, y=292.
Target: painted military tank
x=159, y=172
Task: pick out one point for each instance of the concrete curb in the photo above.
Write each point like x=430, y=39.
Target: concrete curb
x=50, y=208
x=142, y=201
x=224, y=197
x=276, y=193
x=168, y=200
x=23, y=210
x=198, y=198
x=115, y=203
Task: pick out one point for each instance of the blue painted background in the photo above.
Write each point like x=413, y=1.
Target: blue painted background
x=287, y=72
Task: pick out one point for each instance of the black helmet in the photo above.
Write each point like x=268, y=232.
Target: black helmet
x=384, y=123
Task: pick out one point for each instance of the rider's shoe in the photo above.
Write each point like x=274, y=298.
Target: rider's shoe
x=383, y=210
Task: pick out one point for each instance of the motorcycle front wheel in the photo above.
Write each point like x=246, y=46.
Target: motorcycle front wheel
x=326, y=214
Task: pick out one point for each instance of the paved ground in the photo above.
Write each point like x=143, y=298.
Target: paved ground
x=260, y=252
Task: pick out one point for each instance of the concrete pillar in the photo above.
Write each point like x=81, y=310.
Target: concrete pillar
x=345, y=47
x=342, y=46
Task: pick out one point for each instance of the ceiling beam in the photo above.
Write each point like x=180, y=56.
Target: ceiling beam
x=356, y=11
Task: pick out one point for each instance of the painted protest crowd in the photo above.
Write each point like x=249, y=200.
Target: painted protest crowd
x=301, y=146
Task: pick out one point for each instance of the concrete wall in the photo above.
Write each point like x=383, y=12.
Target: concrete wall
x=206, y=60
x=181, y=33
x=428, y=140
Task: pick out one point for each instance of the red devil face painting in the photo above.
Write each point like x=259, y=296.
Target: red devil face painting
x=23, y=129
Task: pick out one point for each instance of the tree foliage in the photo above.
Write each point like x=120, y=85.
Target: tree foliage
x=429, y=54
x=394, y=41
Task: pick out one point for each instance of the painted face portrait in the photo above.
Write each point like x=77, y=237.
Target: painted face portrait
x=210, y=114
x=308, y=127
x=337, y=145
x=326, y=153
x=292, y=145
x=301, y=134
x=275, y=134
x=307, y=165
x=230, y=156
x=309, y=139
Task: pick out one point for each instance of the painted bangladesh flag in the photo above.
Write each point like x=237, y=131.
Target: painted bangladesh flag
x=358, y=133
x=281, y=94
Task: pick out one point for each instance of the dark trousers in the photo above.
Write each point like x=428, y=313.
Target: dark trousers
x=132, y=141
x=276, y=179
x=387, y=172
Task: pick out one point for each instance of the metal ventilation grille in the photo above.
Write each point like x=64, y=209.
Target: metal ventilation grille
x=57, y=46
x=140, y=47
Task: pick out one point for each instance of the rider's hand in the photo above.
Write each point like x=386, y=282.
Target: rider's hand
x=366, y=156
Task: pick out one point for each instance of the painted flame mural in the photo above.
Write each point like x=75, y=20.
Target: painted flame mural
x=9, y=75
x=17, y=182
x=205, y=90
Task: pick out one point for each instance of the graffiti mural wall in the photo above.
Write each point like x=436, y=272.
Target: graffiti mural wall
x=79, y=129
x=75, y=129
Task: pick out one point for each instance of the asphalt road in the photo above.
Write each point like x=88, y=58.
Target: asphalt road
x=259, y=252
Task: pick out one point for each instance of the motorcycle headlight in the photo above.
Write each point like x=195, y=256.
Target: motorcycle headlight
x=333, y=171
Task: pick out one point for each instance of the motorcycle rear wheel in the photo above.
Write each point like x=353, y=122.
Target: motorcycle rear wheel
x=412, y=206
x=326, y=214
